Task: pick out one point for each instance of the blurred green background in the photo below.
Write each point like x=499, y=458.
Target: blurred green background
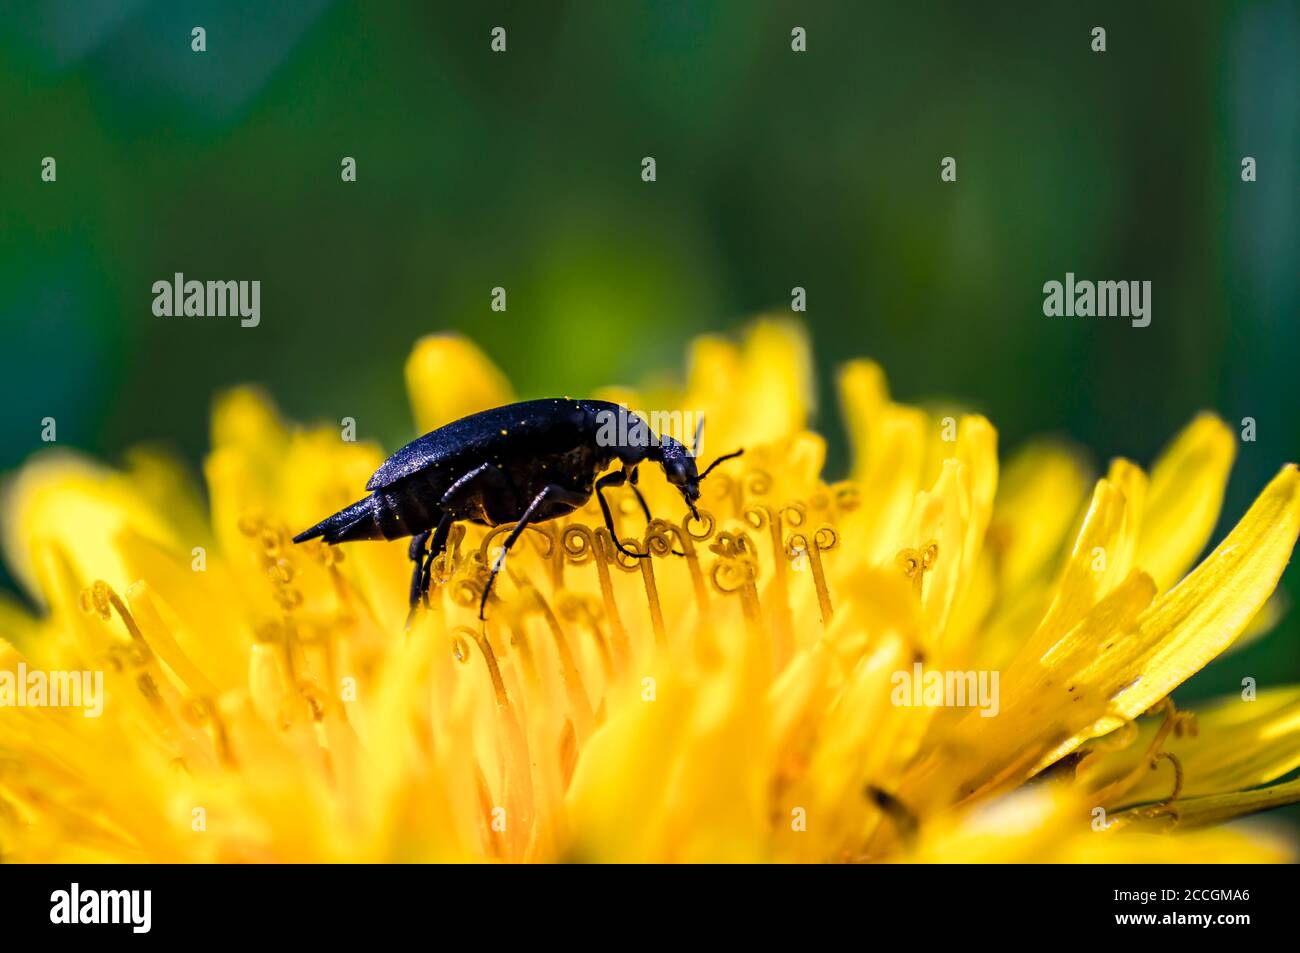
x=775, y=169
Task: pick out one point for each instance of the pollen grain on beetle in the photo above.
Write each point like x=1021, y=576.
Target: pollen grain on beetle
x=704, y=679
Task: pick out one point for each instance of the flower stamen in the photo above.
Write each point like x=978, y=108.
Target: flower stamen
x=464, y=632
x=688, y=538
x=656, y=542
x=1176, y=722
x=916, y=563
x=761, y=516
x=580, y=543
x=100, y=598
x=799, y=544
x=1178, y=775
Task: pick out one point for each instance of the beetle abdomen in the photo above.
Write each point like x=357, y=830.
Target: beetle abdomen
x=402, y=510
x=358, y=521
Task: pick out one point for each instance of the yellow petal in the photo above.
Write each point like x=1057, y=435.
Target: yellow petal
x=18, y=627
x=861, y=739
x=1023, y=827
x=1183, y=502
x=207, y=624
x=757, y=394
x=1045, y=701
x=977, y=449
x=864, y=395
x=1099, y=560
x=245, y=418
x=940, y=517
x=1040, y=491
x=1206, y=612
x=1129, y=479
x=160, y=476
x=1186, y=627
x=888, y=488
x=1265, y=621
x=1237, y=745
x=61, y=499
x=1044, y=826
x=448, y=377
x=618, y=796
x=1213, y=808
x=1220, y=846
x=713, y=368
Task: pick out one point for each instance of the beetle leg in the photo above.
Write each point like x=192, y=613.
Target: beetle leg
x=609, y=520
x=645, y=508
x=439, y=543
x=423, y=570
x=416, y=552
x=553, y=492
x=617, y=478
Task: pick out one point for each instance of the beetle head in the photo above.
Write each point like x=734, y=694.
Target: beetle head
x=680, y=471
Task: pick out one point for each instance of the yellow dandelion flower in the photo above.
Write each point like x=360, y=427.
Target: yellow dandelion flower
x=781, y=690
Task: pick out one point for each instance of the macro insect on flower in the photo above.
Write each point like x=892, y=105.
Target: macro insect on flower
x=264, y=702
x=523, y=463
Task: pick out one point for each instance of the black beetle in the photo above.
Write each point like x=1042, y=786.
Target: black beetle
x=522, y=463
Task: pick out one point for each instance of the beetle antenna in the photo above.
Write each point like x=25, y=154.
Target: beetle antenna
x=725, y=456
x=699, y=432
